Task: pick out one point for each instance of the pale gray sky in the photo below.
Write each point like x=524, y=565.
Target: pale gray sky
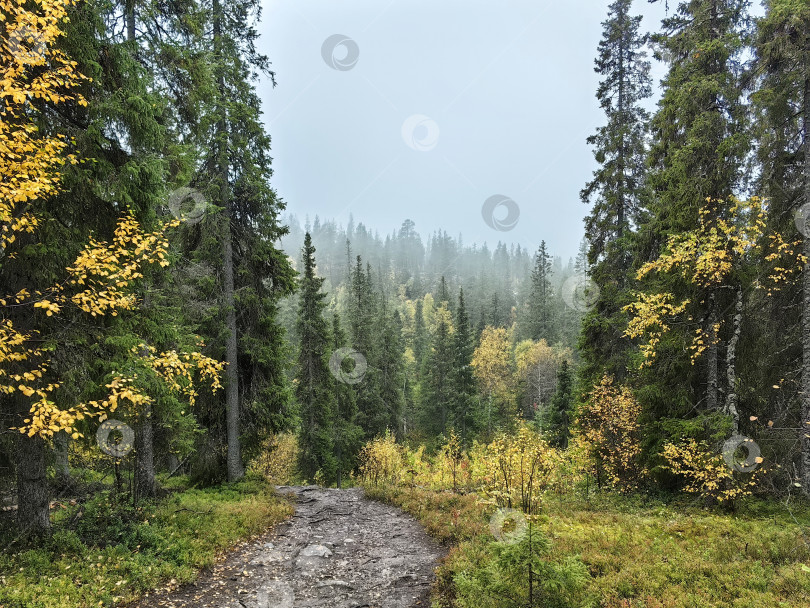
x=508, y=85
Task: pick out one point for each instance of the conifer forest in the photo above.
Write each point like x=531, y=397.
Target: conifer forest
x=246, y=362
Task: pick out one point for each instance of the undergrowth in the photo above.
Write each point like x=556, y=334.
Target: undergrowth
x=105, y=552
x=639, y=552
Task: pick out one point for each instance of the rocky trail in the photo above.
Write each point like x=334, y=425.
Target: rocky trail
x=339, y=550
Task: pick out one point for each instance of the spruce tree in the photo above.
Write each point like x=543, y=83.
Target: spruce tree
x=313, y=390
x=242, y=239
x=782, y=105
x=388, y=360
x=556, y=416
x=347, y=436
x=438, y=387
x=699, y=143
x=698, y=131
x=443, y=294
x=540, y=297
x=463, y=414
x=617, y=191
x=372, y=412
x=419, y=334
x=497, y=314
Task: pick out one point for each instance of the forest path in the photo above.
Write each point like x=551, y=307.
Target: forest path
x=339, y=550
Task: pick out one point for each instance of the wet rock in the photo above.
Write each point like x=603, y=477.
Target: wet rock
x=315, y=551
x=271, y=594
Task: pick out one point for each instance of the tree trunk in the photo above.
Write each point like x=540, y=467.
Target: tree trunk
x=711, y=355
x=339, y=454
x=33, y=495
x=620, y=202
x=61, y=441
x=235, y=468
x=129, y=8
x=145, y=487
x=33, y=499
x=805, y=392
x=731, y=365
x=173, y=462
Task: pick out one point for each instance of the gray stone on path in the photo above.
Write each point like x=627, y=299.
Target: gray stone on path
x=339, y=550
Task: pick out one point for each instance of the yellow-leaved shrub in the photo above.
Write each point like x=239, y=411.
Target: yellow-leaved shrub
x=519, y=469
x=381, y=461
x=608, y=429
x=707, y=473
x=278, y=459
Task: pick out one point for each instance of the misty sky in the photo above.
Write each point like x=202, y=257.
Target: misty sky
x=505, y=90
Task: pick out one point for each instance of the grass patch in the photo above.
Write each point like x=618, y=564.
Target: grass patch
x=104, y=553
x=639, y=553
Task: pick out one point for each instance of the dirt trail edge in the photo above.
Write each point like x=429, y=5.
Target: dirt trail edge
x=339, y=550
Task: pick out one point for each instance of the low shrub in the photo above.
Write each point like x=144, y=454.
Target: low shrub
x=381, y=461
x=278, y=459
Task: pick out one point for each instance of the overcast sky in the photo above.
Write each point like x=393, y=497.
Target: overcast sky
x=449, y=103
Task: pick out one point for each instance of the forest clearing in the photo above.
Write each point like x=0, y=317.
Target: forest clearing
x=209, y=402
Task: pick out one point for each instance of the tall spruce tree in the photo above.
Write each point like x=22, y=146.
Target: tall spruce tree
x=438, y=386
x=616, y=192
x=372, y=412
x=237, y=162
x=782, y=103
x=347, y=435
x=540, y=297
x=463, y=411
x=497, y=311
x=388, y=359
x=699, y=143
x=419, y=333
x=556, y=416
x=443, y=294
x=314, y=388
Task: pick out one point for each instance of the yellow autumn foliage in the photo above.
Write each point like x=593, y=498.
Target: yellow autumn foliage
x=381, y=461
x=514, y=470
x=608, y=428
x=492, y=364
x=706, y=257
x=179, y=369
x=101, y=279
x=519, y=469
x=706, y=472
x=31, y=68
x=278, y=459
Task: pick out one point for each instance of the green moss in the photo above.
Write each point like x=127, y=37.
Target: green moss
x=639, y=552
x=111, y=553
